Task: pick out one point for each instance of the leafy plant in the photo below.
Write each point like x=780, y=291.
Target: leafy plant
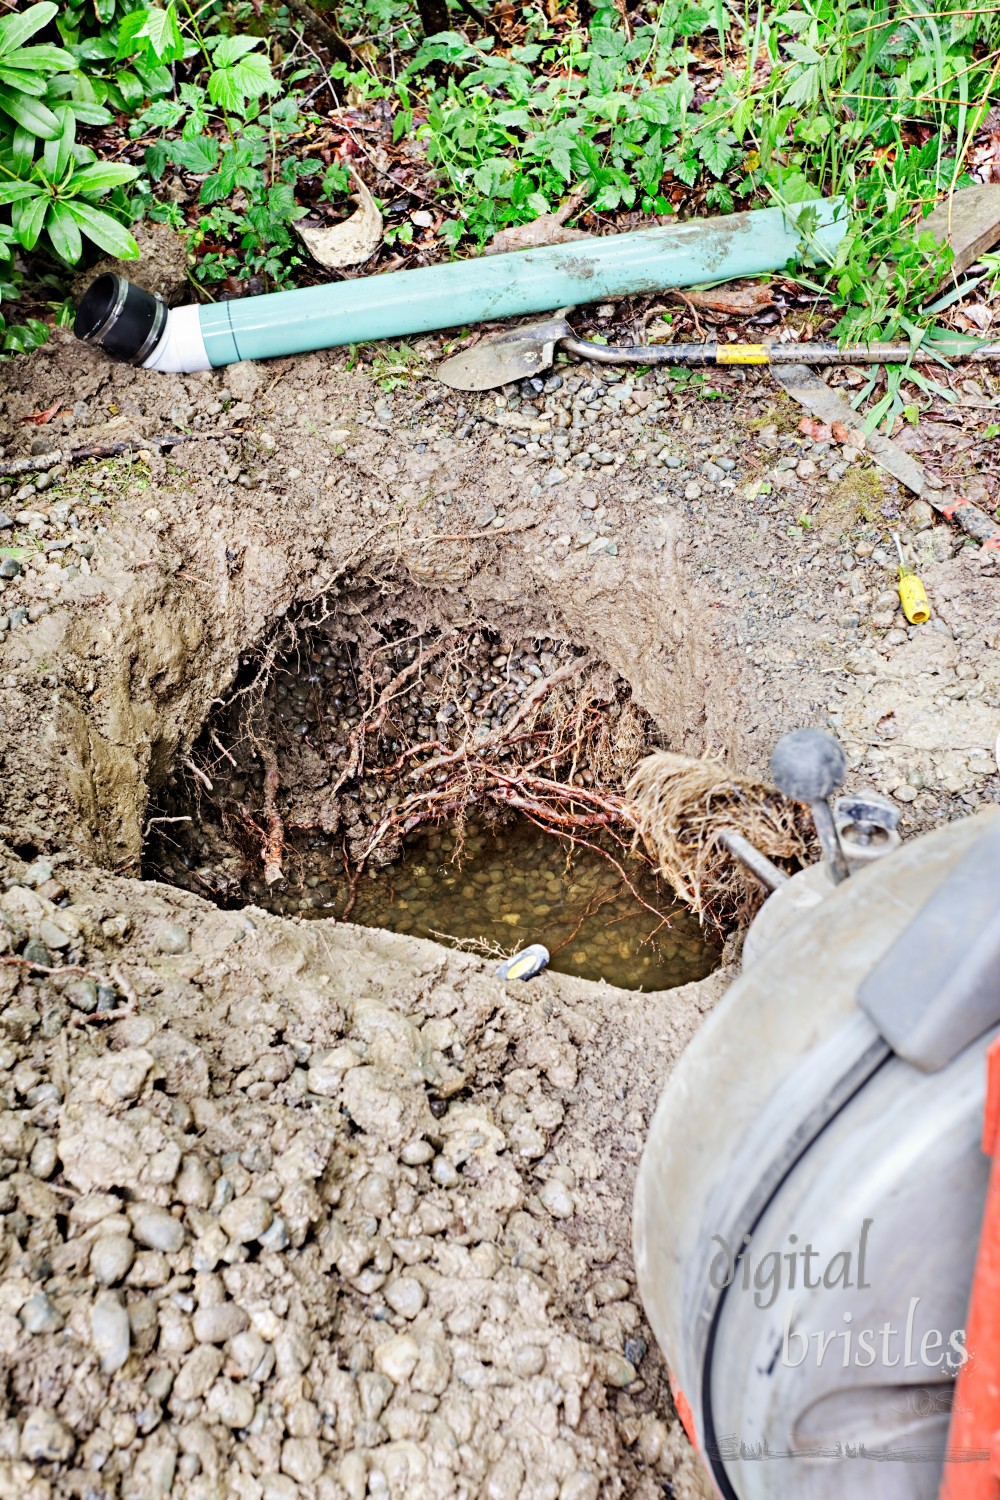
x=51, y=184
x=234, y=121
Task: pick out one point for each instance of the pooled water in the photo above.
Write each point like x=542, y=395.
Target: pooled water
x=508, y=885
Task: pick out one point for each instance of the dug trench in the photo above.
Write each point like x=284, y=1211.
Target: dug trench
x=293, y=1207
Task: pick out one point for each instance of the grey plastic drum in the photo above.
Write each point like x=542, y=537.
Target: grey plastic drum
x=789, y=1120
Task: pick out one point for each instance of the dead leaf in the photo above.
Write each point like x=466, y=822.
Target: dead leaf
x=349, y=243
x=851, y=437
x=547, y=229
x=737, y=300
x=975, y=315
x=39, y=418
x=818, y=431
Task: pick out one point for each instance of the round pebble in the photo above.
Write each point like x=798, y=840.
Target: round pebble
x=42, y=1162
x=246, y=1219
x=155, y=1228
x=235, y=1405
x=110, y=1331
x=39, y=1316
x=405, y=1296
x=172, y=938
x=245, y=1351
x=397, y=1358
x=557, y=1199
x=111, y=1258
x=302, y=1460
x=214, y=1325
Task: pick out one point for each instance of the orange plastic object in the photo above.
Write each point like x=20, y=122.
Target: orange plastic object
x=972, y=1463
x=684, y=1411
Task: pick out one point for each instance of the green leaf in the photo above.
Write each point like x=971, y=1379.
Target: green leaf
x=41, y=59
x=489, y=176
x=64, y=233
x=130, y=88
x=58, y=153
x=154, y=33
x=716, y=153
x=22, y=150
x=90, y=114
x=231, y=87
x=102, y=177
x=155, y=160
x=105, y=231
x=229, y=49
x=163, y=115
x=25, y=83
x=19, y=192
x=15, y=30
x=29, y=219
x=29, y=114
x=197, y=155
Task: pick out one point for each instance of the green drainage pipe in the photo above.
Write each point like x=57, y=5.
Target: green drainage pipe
x=133, y=325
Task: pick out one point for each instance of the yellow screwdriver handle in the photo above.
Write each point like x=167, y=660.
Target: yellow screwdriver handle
x=913, y=598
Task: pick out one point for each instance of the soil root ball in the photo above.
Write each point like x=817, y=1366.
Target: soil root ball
x=679, y=807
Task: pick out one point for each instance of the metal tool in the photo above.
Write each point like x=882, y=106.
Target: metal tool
x=518, y=353
x=809, y=1199
x=808, y=765
x=912, y=594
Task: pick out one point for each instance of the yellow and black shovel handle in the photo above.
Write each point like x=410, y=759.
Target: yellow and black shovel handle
x=717, y=354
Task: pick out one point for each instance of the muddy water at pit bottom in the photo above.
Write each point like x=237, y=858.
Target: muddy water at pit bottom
x=513, y=885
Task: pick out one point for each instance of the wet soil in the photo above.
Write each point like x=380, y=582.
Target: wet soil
x=365, y=1209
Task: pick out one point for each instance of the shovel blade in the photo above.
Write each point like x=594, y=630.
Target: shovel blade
x=515, y=354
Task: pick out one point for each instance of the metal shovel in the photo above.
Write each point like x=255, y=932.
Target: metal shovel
x=518, y=353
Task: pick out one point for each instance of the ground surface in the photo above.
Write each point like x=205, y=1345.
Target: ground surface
x=242, y=1256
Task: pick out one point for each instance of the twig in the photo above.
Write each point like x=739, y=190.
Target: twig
x=221, y=748
x=14, y=959
x=54, y=970
x=485, y=21
x=41, y=461
x=538, y=692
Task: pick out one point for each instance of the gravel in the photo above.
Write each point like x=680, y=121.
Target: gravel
x=44, y=1439
x=110, y=1331
x=111, y=1258
x=156, y=1227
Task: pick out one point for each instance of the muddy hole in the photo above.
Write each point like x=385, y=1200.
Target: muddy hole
x=436, y=777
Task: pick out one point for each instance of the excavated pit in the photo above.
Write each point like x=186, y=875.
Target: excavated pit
x=446, y=781
x=365, y=1208
x=294, y=1208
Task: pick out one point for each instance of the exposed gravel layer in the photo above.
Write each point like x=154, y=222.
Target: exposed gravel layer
x=323, y=1215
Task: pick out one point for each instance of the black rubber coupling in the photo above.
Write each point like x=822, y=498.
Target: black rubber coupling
x=125, y=320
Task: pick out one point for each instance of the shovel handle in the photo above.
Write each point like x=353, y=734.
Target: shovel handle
x=760, y=354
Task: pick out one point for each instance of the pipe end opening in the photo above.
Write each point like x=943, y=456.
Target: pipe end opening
x=123, y=319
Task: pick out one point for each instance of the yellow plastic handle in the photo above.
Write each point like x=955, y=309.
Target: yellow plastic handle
x=742, y=354
x=913, y=598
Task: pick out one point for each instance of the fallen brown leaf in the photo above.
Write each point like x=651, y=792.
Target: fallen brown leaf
x=349, y=243
x=39, y=418
x=851, y=437
x=737, y=300
x=547, y=229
